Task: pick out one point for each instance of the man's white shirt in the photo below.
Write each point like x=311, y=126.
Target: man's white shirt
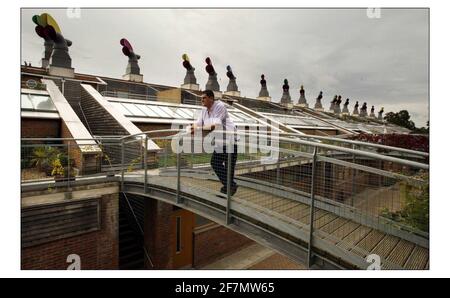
x=219, y=117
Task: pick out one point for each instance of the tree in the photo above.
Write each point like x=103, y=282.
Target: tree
x=401, y=118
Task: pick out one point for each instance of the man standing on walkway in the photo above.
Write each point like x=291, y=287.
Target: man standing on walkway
x=215, y=116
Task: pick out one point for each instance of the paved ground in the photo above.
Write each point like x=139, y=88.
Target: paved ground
x=255, y=256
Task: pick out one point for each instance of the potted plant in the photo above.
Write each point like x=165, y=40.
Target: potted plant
x=43, y=158
x=110, y=172
x=63, y=168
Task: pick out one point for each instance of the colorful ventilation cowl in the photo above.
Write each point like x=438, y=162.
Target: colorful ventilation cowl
x=132, y=71
x=56, y=46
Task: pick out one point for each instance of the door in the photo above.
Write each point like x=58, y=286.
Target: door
x=183, y=226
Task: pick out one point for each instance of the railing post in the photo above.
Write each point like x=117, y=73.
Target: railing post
x=68, y=165
x=178, y=173
x=141, y=155
x=228, y=219
x=380, y=177
x=145, y=162
x=278, y=171
x=353, y=177
x=311, y=217
x=166, y=152
x=123, y=165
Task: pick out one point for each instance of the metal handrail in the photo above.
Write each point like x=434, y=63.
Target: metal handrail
x=296, y=141
x=367, y=144
x=307, y=143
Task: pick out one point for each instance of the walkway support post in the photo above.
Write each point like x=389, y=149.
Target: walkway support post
x=278, y=171
x=122, y=175
x=229, y=185
x=311, y=216
x=353, y=176
x=68, y=165
x=178, y=172
x=145, y=162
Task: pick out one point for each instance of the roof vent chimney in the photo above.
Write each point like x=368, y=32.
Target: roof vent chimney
x=286, y=100
x=363, y=112
x=380, y=114
x=333, y=104
x=132, y=73
x=356, y=110
x=232, y=88
x=264, y=93
x=302, y=100
x=190, y=81
x=337, y=106
x=372, y=112
x=318, y=106
x=56, y=55
x=212, y=83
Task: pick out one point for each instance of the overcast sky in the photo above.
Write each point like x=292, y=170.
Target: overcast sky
x=383, y=61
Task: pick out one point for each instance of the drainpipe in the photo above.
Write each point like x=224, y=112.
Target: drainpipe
x=62, y=86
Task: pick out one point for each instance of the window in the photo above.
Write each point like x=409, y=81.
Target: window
x=122, y=94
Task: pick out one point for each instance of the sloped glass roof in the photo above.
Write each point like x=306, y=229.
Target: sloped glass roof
x=164, y=111
x=295, y=120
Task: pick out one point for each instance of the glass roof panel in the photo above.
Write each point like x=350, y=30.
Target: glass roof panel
x=135, y=111
x=189, y=112
x=121, y=108
x=175, y=113
x=26, y=102
x=160, y=112
x=241, y=116
x=147, y=109
x=168, y=111
x=182, y=113
x=234, y=118
x=42, y=102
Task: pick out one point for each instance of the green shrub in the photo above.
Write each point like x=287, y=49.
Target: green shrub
x=43, y=158
x=416, y=212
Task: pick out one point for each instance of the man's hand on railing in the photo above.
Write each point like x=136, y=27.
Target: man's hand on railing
x=204, y=129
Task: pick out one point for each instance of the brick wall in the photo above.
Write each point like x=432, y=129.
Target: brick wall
x=40, y=128
x=171, y=95
x=216, y=242
x=159, y=238
x=98, y=250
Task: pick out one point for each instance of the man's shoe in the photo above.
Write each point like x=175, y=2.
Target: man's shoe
x=223, y=190
x=233, y=189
